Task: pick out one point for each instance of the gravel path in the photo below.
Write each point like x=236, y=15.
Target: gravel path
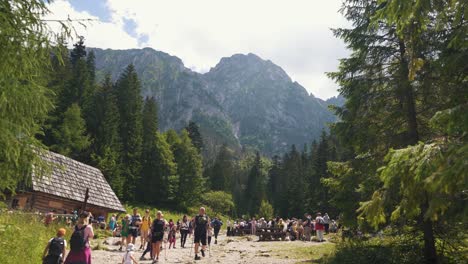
x=228, y=250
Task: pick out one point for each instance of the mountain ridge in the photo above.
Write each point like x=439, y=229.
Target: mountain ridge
x=243, y=100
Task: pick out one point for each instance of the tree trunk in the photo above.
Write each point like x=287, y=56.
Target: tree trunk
x=430, y=252
x=408, y=97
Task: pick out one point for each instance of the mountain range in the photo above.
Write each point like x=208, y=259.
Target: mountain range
x=244, y=101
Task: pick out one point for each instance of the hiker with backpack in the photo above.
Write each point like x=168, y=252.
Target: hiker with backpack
x=54, y=253
x=125, y=232
x=216, y=223
x=157, y=235
x=319, y=227
x=80, y=252
x=134, y=225
x=201, y=223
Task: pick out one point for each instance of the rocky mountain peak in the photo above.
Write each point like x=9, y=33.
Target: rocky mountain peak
x=249, y=66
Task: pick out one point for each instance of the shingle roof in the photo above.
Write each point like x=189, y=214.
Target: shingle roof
x=70, y=178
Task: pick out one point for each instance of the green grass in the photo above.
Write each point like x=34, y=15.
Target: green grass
x=23, y=237
x=310, y=253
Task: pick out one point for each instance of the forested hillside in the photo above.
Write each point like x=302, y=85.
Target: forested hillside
x=392, y=169
x=243, y=101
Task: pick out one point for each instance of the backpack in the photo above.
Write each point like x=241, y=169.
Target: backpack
x=56, y=246
x=77, y=240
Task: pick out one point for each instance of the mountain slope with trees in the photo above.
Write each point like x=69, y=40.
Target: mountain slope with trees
x=244, y=100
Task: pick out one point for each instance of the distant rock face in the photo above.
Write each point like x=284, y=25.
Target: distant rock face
x=244, y=100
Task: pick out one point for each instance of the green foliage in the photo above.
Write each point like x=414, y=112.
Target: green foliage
x=189, y=168
x=265, y=210
x=71, y=134
x=195, y=135
x=219, y=201
x=24, y=236
x=396, y=250
x=24, y=100
x=221, y=173
x=129, y=102
x=160, y=173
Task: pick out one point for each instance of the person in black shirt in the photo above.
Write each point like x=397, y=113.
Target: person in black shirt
x=201, y=222
x=157, y=235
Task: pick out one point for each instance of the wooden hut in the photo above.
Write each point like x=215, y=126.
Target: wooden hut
x=65, y=187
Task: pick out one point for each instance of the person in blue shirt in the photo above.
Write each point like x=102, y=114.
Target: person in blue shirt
x=216, y=224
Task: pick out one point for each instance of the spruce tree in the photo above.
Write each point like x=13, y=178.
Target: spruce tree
x=189, y=170
x=255, y=190
x=222, y=172
x=71, y=134
x=104, y=126
x=150, y=128
x=129, y=102
x=195, y=135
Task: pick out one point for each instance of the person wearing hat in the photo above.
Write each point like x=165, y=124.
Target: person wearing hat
x=79, y=242
x=54, y=252
x=128, y=257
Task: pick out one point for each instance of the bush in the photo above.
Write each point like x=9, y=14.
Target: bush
x=220, y=202
x=23, y=237
x=394, y=250
x=266, y=210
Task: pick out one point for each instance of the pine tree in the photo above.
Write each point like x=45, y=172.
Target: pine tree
x=222, y=172
x=25, y=39
x=255, y=190
x=104, y=128
x=195, y=135
x=71, y=134
x=150, y=128
x=129, y=102
x=161, y=173
x=189, y=170
x=78, y=52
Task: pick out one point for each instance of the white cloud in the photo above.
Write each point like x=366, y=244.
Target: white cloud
x=292, y=33
x=97, y=33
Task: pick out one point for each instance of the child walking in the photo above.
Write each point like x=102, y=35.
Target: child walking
x=209, y=234
x=149, y=247
x=128, y=257
x=54, y=252
x=172, y=236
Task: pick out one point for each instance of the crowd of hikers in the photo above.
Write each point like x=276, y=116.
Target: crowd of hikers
x=294, y=229
x=153, y=232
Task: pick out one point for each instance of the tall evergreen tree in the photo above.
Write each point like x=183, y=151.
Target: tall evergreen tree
x=150, y=128
x=71, y=134
x=189, y=170
x=222, y=172
x=130, y=102
x=255, y=190
x=195, y=135
x=104, y=127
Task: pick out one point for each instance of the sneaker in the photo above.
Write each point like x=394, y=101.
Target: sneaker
x=203, y=252
x=120, y=248
x=197, y=257
x=142, y=258
x=216, y=241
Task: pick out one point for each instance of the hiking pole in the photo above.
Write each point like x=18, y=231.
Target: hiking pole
x=193, y=239
x=165, y=247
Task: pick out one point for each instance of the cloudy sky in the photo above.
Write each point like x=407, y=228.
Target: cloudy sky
x=294, y=34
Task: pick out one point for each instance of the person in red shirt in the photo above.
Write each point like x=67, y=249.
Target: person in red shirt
x=319, y=227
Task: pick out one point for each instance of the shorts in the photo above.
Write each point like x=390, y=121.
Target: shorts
x=157, y=237
x=133, y=232
x=200, y=237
